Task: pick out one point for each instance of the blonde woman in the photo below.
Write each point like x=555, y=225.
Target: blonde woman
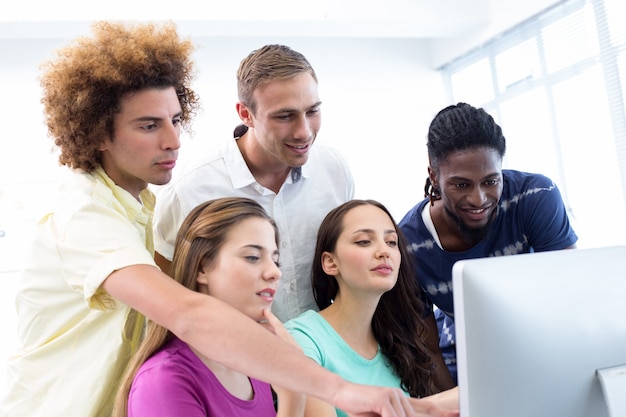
x=226, y=248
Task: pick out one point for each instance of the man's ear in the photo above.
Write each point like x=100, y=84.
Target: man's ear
x=329, y=265
x=245, y=114
x=103, y=145
x=433, y=176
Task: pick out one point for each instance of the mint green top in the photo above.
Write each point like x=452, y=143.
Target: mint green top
x=320, y=342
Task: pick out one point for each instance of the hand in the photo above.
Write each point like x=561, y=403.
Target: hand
x=448, y=400
x=428, y=407
x=365, y=400
x=392, y=402
x=275, y=326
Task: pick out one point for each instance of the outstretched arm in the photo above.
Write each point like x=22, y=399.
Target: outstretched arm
x=225, y=335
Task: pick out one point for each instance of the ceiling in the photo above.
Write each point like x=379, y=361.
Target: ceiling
x=325, y=18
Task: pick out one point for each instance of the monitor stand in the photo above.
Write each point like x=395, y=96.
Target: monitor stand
x=613, y=382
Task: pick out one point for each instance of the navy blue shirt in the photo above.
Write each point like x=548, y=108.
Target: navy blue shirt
x=531, y=218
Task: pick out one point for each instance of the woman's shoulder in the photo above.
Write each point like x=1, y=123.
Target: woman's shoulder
x=174, y=356
x=304, y=320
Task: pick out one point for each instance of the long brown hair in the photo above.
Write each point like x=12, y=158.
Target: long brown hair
x=397, y=322
x=198, y=242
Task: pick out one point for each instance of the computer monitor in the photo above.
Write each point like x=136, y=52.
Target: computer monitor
x=534, y=329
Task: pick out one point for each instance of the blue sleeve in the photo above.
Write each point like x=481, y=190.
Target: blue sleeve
x=545, y=218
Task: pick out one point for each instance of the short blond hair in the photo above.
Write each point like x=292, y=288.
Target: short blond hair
x=271, y=62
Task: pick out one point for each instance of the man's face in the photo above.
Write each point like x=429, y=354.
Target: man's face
x=470, y=183
x=145, y=145
x=287, y=119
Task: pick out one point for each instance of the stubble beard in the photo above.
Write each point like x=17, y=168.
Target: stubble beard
x=472, y=234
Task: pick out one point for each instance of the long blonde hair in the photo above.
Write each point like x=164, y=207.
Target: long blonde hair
x=198, y=242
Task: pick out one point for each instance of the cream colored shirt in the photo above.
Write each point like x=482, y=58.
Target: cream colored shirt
x=74, y=338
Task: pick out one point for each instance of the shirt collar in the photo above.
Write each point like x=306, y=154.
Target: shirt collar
x=124, y=197
x=240, y=173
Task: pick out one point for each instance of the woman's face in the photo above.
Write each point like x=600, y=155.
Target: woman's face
x=367, y=256
x=245, y=271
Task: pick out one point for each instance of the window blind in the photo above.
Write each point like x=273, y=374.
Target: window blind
x=555, y=83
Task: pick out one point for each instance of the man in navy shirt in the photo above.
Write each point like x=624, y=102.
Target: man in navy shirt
x=474, y=209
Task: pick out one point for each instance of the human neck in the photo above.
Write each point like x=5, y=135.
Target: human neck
x=352, y=320
x=266, y=170
x=447, y=230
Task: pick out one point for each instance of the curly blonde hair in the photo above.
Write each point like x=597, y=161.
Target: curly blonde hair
x=83, y=86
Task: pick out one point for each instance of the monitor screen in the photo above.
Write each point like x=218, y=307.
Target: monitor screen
x=533, y=329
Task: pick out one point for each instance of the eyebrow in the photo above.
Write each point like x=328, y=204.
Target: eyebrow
x=370, y=231
x=154, y=118
x=259, y=247
x=486, y=177
x=291, y=110
x=253, y=246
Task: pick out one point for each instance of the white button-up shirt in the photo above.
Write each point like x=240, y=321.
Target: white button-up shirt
x=308, y=194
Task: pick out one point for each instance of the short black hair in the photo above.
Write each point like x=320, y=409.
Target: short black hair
x=459, y=127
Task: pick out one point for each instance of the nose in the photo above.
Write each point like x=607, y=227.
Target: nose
x=383, y=251
x=170, y=139
x=477, y=197
x=303, y=128
x=272, y=272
